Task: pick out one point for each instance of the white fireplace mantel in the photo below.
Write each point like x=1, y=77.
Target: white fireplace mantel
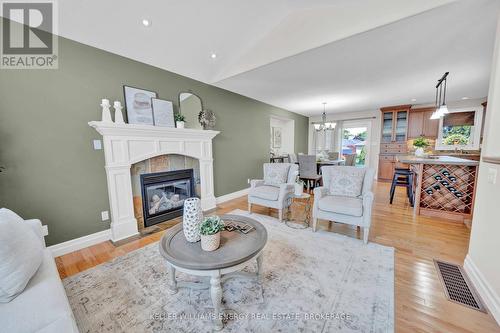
x=126, y=144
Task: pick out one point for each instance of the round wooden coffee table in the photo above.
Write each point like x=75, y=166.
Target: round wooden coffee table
x=235, y=252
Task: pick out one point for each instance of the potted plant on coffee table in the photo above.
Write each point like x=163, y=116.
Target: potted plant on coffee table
x=420, y=144
x=210, y=230
x=179, y=120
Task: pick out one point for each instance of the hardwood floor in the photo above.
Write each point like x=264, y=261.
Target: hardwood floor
x=420, y=303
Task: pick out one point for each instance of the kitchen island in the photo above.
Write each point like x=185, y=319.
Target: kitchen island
x=444, y=186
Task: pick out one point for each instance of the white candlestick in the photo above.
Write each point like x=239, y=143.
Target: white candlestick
x=118, y=112
x=106, y=113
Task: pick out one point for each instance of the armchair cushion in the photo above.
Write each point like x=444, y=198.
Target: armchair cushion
x=346, y=181
x=275, y=174
x=341, y=205
x=265, y=192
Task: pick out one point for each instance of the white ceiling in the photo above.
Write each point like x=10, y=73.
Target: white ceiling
x=295, y=54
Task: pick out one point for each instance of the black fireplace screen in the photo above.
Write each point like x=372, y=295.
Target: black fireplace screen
x=163, y=194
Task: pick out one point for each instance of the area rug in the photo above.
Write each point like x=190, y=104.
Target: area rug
x=313, y=282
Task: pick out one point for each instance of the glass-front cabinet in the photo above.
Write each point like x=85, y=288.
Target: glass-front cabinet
x=387, y=118
x=395, y=123
x=401, y=126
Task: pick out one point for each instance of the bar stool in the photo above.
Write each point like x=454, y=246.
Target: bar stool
x=403, y=177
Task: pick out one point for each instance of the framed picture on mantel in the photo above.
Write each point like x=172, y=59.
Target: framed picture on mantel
x=139, y=105
x=163, y=112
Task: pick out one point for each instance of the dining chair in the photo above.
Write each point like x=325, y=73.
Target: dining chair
x=333, y=155
x=350, y=160
x=308, y=171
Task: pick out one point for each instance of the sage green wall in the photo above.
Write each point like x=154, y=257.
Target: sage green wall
x=52, y=172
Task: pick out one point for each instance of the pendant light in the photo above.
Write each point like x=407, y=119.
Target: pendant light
x=436, y=115
x=324, y=125
x=441, y=107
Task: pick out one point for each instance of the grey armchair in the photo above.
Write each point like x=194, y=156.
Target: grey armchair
x=276, y=193
x=349, y=209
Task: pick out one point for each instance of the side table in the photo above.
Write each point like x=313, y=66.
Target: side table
x=303, y=199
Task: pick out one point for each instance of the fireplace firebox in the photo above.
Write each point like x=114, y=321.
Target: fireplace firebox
x=163, y=194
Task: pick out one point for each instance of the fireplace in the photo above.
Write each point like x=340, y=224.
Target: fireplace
x=126, y=144
x=163, y=194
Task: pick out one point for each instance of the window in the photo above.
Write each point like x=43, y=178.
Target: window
x=460, y=129
x=324, y=140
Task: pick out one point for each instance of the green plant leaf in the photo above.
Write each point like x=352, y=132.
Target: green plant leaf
x=211, y=225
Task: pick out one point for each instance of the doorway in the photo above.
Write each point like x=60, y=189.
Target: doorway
x=356, y=141
x=282, y=135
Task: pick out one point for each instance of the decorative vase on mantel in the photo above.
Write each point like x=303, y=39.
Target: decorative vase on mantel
x=106, y=113
x=179, y=120
x=207, y=119
x=191, y=219
x=118, y=112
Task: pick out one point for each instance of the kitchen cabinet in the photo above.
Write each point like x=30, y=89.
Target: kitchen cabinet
x=415, y=124
x=393, y=138
x=431, y=126
x=420, y=124
x=386, y=167
x=394, y=123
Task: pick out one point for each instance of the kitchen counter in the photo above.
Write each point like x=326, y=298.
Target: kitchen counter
x=435, y=159
x=444, y=186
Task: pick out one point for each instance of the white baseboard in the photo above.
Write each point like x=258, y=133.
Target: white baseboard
x=80, y=243
x=231, y=196
x=102, y=236
x=487, y=293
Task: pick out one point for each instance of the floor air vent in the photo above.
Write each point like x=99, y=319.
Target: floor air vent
x=457, y=287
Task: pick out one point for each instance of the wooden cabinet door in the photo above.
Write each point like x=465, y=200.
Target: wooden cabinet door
x=415, y=124
x=385, y=168
x=430, y=126
x=387, y=126
x=400, y=126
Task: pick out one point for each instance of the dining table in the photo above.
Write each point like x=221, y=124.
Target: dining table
x=322, y=163
x=278, y=159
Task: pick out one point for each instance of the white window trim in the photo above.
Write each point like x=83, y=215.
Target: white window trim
x=368, y=125
x=476, y=131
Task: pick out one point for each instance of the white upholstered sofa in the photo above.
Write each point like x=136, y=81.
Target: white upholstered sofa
x=275, y=189
x=43, y=306
x=346, y=197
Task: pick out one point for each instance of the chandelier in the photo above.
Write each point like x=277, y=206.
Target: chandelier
x=324, y=125
x=441, y=107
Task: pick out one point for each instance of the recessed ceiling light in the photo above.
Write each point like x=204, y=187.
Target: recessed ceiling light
x=465, y=97
x=413, y=99
x=146, y=22
x=213, y=55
